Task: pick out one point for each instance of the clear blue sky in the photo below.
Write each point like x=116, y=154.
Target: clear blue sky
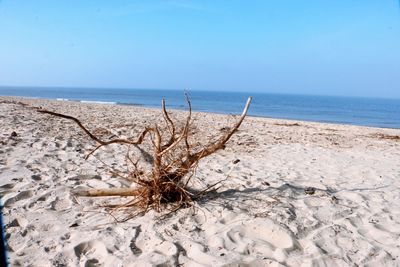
x=332, y=47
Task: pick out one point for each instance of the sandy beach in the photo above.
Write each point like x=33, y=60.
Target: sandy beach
x=293, y=193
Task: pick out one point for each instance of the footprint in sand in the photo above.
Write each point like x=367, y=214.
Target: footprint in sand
x=6, y=188
x=135, y=250
x=253, y=237
x=20, y=196
x=91, y=253
x=61, y=203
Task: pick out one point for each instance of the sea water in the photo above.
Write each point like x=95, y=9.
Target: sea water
x=377, y=112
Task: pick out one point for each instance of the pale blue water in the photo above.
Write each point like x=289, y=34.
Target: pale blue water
x=344, y=110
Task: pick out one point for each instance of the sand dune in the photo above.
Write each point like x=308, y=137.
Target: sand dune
x=296, y=193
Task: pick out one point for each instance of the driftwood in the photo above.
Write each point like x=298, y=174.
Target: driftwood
x=173, y=163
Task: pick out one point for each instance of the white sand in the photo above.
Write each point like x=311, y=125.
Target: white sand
x=261, y=215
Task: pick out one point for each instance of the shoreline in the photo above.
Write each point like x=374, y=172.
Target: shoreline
x=293, y=192
x=184, y=109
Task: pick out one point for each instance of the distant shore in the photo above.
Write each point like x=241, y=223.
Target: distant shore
x=293, y=192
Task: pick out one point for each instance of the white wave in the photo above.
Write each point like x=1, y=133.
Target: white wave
x=98, y=102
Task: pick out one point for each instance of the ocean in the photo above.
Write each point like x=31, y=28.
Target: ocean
x=375, y=112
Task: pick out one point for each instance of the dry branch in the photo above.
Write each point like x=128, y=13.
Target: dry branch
x=106, y=192
x=173, y=162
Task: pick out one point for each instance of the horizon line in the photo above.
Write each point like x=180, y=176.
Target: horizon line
x=196, y=90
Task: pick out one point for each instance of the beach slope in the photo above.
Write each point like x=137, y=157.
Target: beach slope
x=293, y=193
